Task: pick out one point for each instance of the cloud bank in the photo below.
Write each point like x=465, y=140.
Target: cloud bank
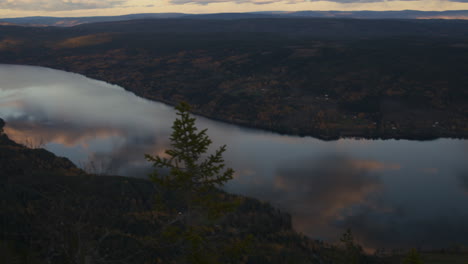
x=292, y=2
x=71, y=5
x=80, y=8
x=58, y=5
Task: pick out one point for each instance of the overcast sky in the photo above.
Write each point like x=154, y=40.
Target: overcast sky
x=18, y=8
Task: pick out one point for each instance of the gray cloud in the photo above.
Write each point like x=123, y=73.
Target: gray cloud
x=206, y=2
x=58, y=5
x=63, y=5
x=261, y=2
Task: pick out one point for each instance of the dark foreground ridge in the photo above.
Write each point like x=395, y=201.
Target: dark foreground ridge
x=327, y=78
x=53, y=212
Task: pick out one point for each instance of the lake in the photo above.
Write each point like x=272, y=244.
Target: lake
x=391, y=193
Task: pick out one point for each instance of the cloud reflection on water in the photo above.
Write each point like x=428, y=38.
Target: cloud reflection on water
x=67, y=135
x=318, y=192
x=389, y=192
x=123, y=155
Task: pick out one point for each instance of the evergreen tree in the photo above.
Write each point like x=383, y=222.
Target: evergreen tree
x=188, y=180
x=187, y=171
x=353, y=252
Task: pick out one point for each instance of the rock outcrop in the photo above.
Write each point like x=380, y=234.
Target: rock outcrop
x=17, y=160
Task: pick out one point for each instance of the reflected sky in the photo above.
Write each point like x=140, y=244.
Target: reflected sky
x=392, y=193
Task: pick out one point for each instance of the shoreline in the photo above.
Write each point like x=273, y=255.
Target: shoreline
x=314, y=133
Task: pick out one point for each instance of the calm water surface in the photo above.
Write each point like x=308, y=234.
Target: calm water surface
x=391, y=193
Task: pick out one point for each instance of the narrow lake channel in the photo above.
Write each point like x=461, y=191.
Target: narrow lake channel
x=391, y=193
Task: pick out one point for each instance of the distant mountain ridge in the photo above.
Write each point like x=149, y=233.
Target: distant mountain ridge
x=73, y=21
x=40, y=21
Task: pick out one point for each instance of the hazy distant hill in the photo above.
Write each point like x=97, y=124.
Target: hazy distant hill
x=406, y=14
x=73, y=21
x=297, y=27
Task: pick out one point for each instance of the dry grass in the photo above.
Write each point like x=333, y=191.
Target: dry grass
x=84, y=41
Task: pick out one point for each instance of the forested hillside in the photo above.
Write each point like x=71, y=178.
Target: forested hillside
x=321, y=77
